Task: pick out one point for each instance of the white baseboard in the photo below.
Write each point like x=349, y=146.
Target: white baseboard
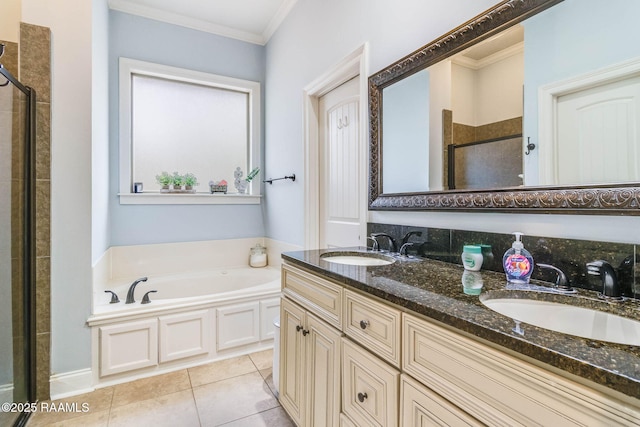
x=71, y=383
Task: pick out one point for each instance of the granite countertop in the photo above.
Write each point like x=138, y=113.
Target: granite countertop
x=434, y=289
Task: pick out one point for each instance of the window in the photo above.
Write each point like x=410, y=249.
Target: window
x=179, y=120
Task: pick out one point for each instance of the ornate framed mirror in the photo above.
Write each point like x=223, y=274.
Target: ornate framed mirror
x=409, y=158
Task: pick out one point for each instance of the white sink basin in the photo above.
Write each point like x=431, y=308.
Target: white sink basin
x=364, y=259
x=579, y=321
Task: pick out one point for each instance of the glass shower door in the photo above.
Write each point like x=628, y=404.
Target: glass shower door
x=15, y=250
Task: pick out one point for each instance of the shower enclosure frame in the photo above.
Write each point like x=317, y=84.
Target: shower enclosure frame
x=29, y=248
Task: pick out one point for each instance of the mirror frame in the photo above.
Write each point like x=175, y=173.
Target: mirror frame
x=622, y=199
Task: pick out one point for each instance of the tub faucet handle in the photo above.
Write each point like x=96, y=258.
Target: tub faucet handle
x=145, y=298
x=114, y=297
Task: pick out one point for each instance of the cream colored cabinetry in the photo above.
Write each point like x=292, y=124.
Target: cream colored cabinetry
x=310, y=350
x=401, y=369
x=370, y=387
x=374, y=325
x=501, y=390
x=422, y=407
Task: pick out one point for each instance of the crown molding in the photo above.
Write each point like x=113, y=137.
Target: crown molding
x=132, y=8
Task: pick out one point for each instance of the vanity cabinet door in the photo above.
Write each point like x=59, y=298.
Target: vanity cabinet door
x=323, y=373
x=310, y=357
x=292, y=360
x=420, y=407
x=370, y=387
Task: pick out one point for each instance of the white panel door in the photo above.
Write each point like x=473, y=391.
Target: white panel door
x=598, y=134
x=340, y=168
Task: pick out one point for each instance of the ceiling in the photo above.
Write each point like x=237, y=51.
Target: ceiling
x=253, y=21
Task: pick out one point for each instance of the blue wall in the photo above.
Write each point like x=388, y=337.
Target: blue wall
x=153, y=41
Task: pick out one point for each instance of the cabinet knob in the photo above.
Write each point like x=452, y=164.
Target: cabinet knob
x=362, y=397
x=298, y=328
x=305, y=332
x=364, y=324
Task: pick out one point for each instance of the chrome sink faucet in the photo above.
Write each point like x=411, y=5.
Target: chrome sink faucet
x=611, y=289
x=393, y=247
x=132, y=288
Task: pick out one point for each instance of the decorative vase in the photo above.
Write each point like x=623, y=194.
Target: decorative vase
x=188, y=187
x=177, y=187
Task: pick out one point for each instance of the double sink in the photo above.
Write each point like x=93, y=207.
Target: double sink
x=573, y=315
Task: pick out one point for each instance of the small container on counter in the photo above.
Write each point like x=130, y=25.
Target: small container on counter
x=258, y=256
x=472, y=257
x=472, y=282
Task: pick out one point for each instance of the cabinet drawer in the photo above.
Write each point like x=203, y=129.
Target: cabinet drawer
x=369, y=387
x=375, y=325
x=499, y=389
x=317, y=295
x=420, y=406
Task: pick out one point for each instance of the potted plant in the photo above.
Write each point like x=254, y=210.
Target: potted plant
x=177, y=180
x=190, y=181
x=164, y=180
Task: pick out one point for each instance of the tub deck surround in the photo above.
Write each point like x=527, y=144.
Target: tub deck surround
x=434, y=289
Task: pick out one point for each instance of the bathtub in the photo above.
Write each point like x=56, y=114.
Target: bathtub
x=222, y=284
x=193, y=318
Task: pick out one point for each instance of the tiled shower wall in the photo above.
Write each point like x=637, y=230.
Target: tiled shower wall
x=571, y=256
x=35, y=72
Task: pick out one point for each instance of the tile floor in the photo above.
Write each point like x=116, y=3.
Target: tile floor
x=236, y=392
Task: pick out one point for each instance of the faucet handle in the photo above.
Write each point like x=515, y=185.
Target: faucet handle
x=114, y=297
x=561, y=281
x=145, y=298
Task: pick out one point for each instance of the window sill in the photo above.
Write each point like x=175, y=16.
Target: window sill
x=188, y=199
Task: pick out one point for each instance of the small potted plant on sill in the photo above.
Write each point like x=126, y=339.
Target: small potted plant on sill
x=190, y=181
x=177, y=180
x=164, y=180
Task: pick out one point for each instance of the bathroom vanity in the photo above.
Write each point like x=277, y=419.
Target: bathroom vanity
x=403, y=344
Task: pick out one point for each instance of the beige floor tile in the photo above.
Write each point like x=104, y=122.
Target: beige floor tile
x=275, y=417
x=94, y=419
x=170, y=410
x=232, y=399
x=262, y=359
x=267, y=375
x=96, y=402
x=221, y=370
x=152, y=387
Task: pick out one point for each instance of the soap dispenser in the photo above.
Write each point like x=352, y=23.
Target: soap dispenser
x=518, y=262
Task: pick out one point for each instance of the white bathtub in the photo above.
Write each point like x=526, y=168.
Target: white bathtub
x=177, y=290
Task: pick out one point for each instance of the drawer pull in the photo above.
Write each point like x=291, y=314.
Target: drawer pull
x=362, y=397
x=363, y=325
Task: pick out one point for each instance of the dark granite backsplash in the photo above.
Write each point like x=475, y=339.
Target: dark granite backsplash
x=571, y=256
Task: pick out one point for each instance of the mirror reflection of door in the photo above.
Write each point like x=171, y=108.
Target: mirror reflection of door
x=609, y=112
x=340, y=167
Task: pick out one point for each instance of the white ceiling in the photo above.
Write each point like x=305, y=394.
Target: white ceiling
x=252, y=21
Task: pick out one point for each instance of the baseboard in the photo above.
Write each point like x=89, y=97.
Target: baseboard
x=71, y=383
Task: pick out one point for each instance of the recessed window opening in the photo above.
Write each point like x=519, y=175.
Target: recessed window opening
x=178, y=120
